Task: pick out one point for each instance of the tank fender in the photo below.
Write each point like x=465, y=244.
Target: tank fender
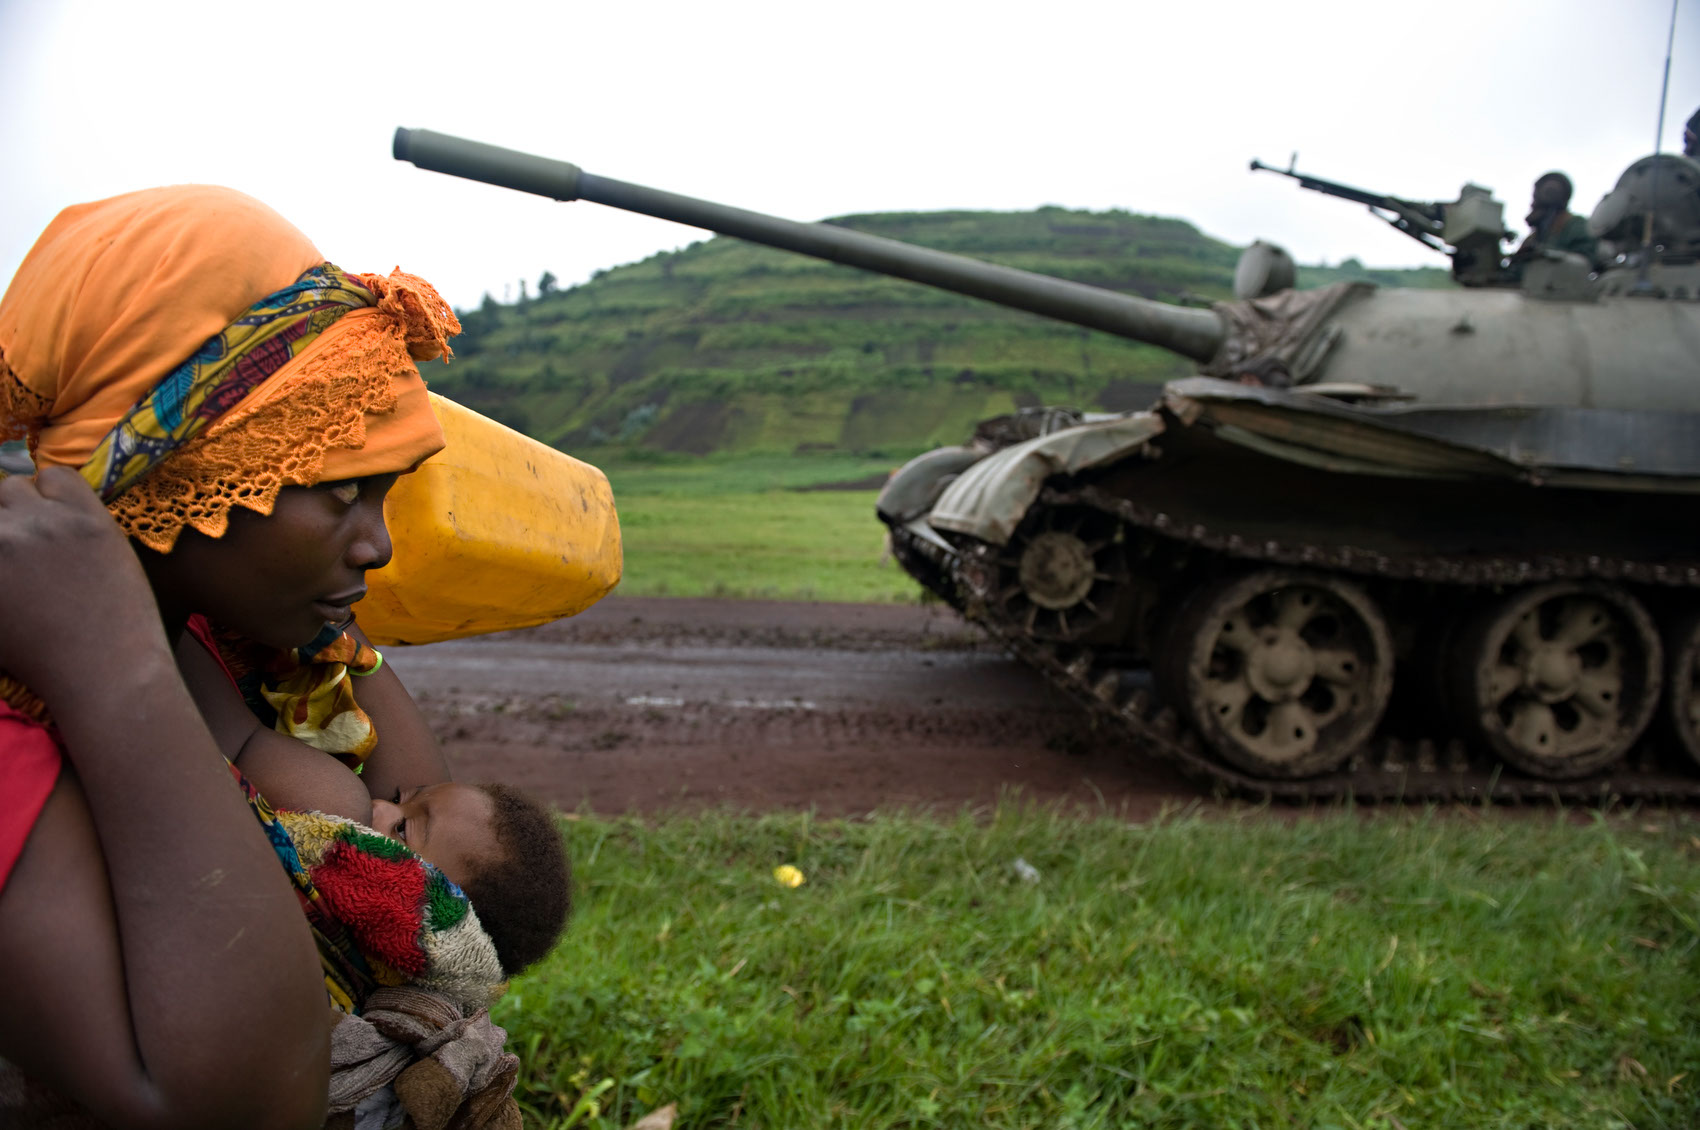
x=914, y=487
x=988, y=500
x=1591, y=448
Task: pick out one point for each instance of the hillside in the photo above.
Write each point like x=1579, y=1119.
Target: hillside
x=727, y=346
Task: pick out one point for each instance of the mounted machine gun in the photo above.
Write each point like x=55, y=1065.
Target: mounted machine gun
x=1469, y=229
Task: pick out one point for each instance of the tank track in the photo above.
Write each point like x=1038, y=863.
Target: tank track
x=1386, y=769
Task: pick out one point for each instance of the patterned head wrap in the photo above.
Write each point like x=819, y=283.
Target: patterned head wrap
x=189, y=350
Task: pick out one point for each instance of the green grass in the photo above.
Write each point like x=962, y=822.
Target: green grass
x=691, y=476
x=739, y=527
x=1389, y=969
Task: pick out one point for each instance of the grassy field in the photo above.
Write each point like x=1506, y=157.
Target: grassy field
x=1388, y=969
x=745, y=527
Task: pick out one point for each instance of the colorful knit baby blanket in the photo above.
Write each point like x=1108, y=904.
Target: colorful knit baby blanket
x=380, y=914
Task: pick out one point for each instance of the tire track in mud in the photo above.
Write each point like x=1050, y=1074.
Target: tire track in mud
x=649, y=704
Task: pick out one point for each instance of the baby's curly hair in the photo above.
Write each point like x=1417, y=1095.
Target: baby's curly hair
x=524, y=897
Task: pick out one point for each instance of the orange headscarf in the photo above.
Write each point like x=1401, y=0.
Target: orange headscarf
x=118, y=293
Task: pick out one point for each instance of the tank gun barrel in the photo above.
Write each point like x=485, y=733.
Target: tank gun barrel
x=1190, y=332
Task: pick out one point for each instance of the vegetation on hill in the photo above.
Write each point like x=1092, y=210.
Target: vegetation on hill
x=731, y=347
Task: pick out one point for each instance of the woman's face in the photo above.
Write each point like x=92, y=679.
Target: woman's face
x=278, y=579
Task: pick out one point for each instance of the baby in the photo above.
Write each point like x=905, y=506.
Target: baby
x=491, y=840
x=499, y=846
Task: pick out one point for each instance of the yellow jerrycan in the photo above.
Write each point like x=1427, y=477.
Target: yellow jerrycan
x=496, y=531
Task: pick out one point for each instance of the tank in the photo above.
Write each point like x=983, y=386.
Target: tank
x=1387, y=543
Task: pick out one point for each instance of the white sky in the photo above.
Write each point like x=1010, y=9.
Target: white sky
x=810, y=110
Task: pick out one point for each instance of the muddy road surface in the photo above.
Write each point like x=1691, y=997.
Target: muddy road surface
x=647, y=704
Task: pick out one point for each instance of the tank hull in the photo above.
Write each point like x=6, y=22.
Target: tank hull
x=1171, y=503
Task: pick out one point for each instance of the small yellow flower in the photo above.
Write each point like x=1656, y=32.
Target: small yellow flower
x=788, y=876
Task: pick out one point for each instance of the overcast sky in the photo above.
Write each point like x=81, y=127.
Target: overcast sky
x=816, y=110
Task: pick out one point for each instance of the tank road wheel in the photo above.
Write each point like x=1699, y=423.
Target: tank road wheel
x=1060, y=572
x=1682, y=684
x=1284, y=673
x=1559, y=680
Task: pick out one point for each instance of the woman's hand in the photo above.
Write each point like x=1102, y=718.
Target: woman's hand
x=75, y=599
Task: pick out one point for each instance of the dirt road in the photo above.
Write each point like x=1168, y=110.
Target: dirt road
x=643, y=704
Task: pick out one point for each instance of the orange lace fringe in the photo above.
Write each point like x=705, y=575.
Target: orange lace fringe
x=249, y=455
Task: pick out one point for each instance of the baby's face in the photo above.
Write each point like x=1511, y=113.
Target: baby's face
x=450, y=825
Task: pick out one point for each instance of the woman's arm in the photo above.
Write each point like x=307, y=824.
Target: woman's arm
x=290, y=774
x=407, y=753
x=157, y=964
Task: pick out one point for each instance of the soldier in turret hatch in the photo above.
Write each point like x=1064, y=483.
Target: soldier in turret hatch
x=1691, y=137
x=1552, y=226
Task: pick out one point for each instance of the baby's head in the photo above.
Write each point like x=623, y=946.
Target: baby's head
x=500, y=847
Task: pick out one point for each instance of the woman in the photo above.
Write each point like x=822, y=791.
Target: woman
x=186, y=358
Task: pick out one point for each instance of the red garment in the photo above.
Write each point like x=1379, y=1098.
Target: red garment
x=30, y=757
x=199, y=627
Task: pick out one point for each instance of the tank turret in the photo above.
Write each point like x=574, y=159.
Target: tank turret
x=1389, y=543
x=1649, y=230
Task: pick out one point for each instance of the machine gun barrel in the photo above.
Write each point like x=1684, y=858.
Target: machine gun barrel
x=1190, y=332
x=1332, y=188
x=1422, y=222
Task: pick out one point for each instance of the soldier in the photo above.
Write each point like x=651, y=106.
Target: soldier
x=1691, y=137
x=1552, y=227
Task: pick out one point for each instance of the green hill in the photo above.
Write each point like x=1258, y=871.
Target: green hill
x=730, y=347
